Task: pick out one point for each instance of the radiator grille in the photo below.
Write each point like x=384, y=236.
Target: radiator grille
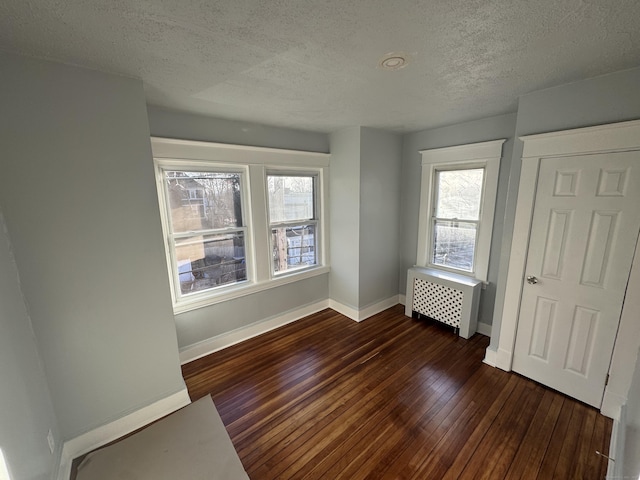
x=437, y=301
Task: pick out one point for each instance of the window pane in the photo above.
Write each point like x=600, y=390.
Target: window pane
x=293, y=247
x=459, y=193
x=204, y=200
x=209, y=261
x=290, y=198
x=454, y=244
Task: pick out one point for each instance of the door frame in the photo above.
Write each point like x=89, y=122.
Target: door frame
x=616, y=137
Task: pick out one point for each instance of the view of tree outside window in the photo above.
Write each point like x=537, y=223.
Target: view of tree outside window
x=458, y=198
x=207, y=228
x=292, y=220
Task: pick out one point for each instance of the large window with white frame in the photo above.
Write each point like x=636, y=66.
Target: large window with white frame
x=459, y=186
x=206, y=228
x=237, y=220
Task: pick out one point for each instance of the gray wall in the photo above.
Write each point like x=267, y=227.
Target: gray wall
x=78, y=193
x=631, y=454
x=365, y=206
x=344, y=201
x=600, y=100
x=492, y=128
x=380, y=160
x=26, y=411
x=203, y=323
x=186, y=126
x=207, y=322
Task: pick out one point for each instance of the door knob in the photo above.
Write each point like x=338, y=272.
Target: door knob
x=532, y=280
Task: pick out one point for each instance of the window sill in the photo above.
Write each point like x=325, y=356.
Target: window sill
x=454, y=275
x=238, y=291
x=446, y=274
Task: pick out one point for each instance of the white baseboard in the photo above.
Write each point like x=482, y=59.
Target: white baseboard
x=402, y=299
x=377, y=308
x=504, y=360
x=616, y=447
x=214, y=344
x=490, y=357
x=484, y=329
x=612, y=404
x=100, y=436
x=350, y=312
x=363, y=314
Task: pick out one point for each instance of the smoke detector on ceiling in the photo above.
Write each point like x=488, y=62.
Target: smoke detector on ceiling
x=394, y=61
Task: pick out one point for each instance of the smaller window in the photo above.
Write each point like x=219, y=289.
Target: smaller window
x=457, y=201
x=456, y=217
x=292, y=221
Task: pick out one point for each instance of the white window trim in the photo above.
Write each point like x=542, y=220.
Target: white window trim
x=254, y=162
x=485, y=155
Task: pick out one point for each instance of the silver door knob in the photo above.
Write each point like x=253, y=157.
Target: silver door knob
x=532, y=280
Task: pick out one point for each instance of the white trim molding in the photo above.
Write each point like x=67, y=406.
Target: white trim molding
x=613, y=137
x=623, y=136
x=490, y=357
x=173, y=148
x=463, y=153
x=485, y=155
x=219, y=342
x=109, y=432
x=616, y=447
x=359, y=315
x=245, y=289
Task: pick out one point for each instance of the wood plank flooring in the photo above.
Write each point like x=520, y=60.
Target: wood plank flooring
x=391, y=398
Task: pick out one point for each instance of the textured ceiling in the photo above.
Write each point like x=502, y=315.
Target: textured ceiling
x=313, y=64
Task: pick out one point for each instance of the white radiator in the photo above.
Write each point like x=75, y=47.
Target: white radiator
x=446, y=297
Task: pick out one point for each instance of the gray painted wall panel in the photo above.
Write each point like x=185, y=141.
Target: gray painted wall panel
x=186, y=126
x=380, y=161
x=78, y=193
x=204, y=323
x=344, y=205
x=26, y=410
x=492, y=128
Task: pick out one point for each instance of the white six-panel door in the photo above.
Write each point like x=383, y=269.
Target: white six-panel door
x=583, y=235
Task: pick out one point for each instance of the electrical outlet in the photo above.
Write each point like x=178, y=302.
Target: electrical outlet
x=51, y=441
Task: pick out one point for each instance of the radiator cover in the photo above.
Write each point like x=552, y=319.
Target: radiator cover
x=446, y=297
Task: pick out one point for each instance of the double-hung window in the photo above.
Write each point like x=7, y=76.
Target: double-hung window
x=237, y=220
x=206, y=228
x=456, y=217
x=459, y=186
x=292, y=221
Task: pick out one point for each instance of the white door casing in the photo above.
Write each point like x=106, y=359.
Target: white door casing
x=618, y=137
x=583, y=235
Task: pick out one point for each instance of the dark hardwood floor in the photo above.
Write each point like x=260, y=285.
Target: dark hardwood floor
x=391, y=398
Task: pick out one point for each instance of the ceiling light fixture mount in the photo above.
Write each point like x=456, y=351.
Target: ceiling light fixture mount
x=394, y=61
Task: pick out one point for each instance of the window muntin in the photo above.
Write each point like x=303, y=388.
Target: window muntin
x=293, y=222
x=207, y=230
x=456, y=218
